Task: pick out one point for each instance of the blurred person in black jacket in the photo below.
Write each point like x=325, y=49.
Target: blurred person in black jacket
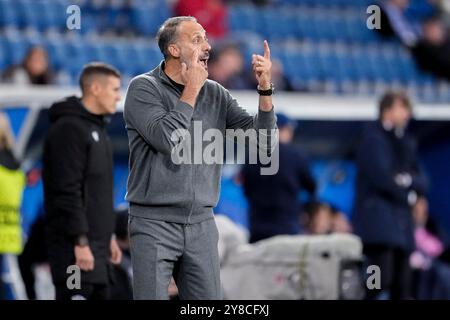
x=78, y=186
x=432, y=51
x=388, y=183
x=226, y=66
x=395, y=23
x=274, y=206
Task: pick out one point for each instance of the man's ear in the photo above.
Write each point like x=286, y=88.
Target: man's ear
x=95, y=88
x=174, y=50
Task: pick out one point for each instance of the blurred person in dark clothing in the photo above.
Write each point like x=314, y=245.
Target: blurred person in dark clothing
x=12, y=182
x=226, y=66
x=34, y=70
x=395, y=23
x=319, y=218
x=432, y=51
x=78, y=185
x=34, y=252
x=274, y=205
x=431, y=273
x=388, y=183
x=279, y=79
x=340, y=223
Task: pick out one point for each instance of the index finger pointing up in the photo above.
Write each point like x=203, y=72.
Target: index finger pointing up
x=266, y=50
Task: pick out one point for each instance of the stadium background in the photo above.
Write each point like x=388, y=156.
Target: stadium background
x=336, y=66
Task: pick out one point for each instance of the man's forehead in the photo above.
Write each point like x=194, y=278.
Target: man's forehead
x=190, y=28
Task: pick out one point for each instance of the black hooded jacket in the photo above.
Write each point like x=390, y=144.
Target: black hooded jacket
x=78, y=187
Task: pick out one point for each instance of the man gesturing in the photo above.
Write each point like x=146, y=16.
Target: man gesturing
x=172, y=230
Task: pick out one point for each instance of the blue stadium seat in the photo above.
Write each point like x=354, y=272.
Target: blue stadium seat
x=361, y=65
x=57, y=53
x=79, y=55
x=57, y=14
x=4, y=61
x=28, y=15
x=8, y=14
x=307, y=27
x=16, y=49
x=148, y=16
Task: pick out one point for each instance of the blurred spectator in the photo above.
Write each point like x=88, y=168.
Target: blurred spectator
x=12, y=182
x=432, y=52
x=395, y=23
x=274, y=205
x=34, y=253
x=431, y=275
x=388, y=182
x=444, y=8
x=226, y=66
x=279, y=80
x=340, y=223
x=428, y=246
x=319, y=218
x=211, y=14
x=34, y=70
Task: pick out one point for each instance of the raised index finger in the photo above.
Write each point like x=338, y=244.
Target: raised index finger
x=266, y=50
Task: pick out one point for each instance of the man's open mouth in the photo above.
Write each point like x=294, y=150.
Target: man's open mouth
x=204, y=62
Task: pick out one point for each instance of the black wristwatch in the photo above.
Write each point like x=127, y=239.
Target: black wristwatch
x=267, y=92
x=81, y=240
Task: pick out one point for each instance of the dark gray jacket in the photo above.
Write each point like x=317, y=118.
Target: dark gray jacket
x=157, y=187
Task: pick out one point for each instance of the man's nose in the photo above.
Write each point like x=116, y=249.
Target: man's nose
x=207, y=46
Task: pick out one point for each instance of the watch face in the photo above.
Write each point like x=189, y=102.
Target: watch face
x=267, y=92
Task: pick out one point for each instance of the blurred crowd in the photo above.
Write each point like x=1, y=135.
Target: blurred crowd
x=423, y=28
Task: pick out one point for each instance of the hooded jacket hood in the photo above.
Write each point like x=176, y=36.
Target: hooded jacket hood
x=72, y=106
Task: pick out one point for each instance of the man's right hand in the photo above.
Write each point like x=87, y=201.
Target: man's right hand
x=84, y=258
x=194, y=77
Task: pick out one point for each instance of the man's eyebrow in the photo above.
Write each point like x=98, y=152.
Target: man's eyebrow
x=199, y=33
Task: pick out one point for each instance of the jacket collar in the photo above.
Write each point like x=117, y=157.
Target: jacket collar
x=159, y=73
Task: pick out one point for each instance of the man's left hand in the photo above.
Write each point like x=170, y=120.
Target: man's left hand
x=262, y=67
x=116, y=253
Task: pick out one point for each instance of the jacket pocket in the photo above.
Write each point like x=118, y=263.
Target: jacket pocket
x=169, y=184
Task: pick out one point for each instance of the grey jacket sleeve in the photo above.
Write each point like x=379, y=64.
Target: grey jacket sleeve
x=144, y=111
x=264, y=122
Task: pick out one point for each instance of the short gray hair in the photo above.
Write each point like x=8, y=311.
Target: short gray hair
x=167, y=33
